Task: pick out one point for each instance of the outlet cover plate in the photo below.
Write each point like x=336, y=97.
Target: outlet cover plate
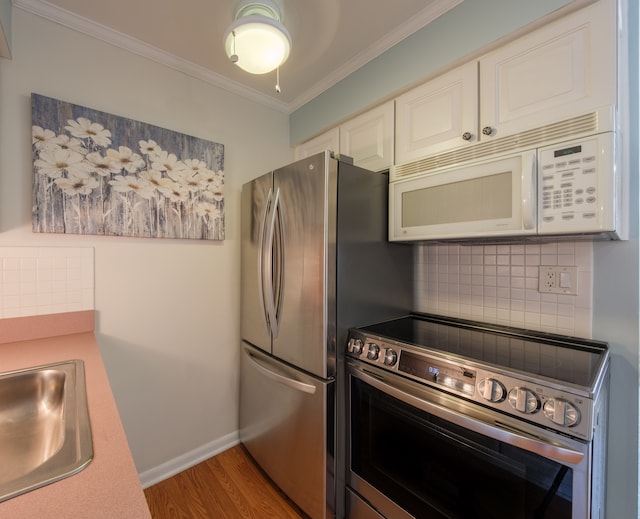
x=558, y=280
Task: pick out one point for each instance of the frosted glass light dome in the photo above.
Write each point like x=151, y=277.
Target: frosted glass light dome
x=256, y=41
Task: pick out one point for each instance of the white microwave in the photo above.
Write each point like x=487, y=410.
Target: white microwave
x=567, y=189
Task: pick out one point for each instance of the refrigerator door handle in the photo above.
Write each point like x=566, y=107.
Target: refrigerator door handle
x=282, y=379
x=278, y=255
x=264, y=262
x=267, y=271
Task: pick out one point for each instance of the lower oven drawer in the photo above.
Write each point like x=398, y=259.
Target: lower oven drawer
x=417, y=452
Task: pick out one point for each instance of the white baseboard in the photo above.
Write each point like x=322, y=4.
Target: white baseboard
x=187, y=460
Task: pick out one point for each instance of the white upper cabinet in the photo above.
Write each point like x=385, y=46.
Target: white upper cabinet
x=565, y=69
x=439, y=115
x=329, y=140
x=562, y=70
x=368, y=138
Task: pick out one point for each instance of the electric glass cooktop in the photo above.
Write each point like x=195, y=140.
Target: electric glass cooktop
x=565, y=359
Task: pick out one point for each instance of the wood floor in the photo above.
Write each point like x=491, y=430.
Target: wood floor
x=227, y=486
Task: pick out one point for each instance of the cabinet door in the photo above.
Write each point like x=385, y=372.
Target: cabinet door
x=368, y=138
x=564, y=69
x=329, y=140
x=438, y=116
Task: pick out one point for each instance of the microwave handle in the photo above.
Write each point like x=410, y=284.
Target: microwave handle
x=529, y=191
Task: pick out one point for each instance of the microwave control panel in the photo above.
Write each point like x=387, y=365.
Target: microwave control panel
x=574, y=194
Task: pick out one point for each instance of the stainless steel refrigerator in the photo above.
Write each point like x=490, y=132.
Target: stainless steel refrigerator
x=315, y=262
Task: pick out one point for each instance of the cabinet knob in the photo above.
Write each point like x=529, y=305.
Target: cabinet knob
x=467, y=136
x=487, y=130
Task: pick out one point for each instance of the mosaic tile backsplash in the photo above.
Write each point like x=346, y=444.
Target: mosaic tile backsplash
x=45, y=280
x=499, y=284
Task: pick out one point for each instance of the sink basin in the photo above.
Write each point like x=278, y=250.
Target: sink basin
x=45, y=432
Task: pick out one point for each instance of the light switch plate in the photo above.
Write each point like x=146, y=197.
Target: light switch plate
x=558, y=280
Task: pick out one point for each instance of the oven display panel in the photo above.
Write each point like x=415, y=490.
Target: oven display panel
x=437, y=372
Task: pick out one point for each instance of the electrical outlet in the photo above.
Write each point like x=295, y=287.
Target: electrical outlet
x=558, y=280
x=550, y=278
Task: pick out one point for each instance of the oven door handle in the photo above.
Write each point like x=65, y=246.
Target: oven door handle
x=556, y=451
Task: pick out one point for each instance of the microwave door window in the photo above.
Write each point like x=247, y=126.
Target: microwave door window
x=478, y=199
x=497, y=196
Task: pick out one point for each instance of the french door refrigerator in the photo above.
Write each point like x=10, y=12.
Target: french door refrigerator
x=315, y=262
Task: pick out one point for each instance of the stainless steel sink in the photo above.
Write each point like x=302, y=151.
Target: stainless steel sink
x=45, y=432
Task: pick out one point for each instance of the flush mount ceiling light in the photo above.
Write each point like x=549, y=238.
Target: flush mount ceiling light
x=256, y=41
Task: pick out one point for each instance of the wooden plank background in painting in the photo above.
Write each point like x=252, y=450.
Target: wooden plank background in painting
x=97, y=173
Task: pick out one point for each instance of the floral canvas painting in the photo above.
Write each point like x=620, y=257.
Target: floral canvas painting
x=97, y=173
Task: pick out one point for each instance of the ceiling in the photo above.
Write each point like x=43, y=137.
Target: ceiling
x=331, y=38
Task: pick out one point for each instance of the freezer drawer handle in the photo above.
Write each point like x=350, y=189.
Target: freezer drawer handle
x=282, y=379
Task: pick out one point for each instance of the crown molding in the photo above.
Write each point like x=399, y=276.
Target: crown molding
x=101, y=32
x=420, y=20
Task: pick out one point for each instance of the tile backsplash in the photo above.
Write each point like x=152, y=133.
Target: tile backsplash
x=45, y=280
x=499, y=284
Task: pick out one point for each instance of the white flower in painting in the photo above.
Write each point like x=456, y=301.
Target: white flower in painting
x=168, y=162
x=67, y=143
x=205, y=209
x=174, y=191
x=195, y=166
x=156, y=179
x=193, y=183
x=216, y=194
x=40, y=136
x=83, y=128
x=213, y=180
x=150, y=148
x=131, y=183
x=80, y=185
x=55, y=162
x=102, y=165
x=126, y=159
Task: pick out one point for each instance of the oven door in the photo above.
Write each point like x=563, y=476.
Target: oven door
x=417, y=452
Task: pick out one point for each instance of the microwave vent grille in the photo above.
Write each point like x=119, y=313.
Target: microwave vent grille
x=584, y=124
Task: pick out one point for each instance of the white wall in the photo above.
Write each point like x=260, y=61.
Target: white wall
x=167, y=310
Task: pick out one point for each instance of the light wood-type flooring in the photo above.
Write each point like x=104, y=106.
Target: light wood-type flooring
x=227, y=486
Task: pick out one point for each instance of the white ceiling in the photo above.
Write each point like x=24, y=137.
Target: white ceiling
x=331, y=38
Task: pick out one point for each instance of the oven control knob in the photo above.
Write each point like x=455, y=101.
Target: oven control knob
x=356, y=346
x=492, y=390
x=373, y=352
x=524, y=400
x=390, y=357
x=561, y=412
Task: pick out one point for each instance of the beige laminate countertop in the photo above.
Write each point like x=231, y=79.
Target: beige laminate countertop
x=109, y=487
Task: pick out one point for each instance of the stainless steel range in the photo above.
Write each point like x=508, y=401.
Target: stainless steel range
x=456, y=419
